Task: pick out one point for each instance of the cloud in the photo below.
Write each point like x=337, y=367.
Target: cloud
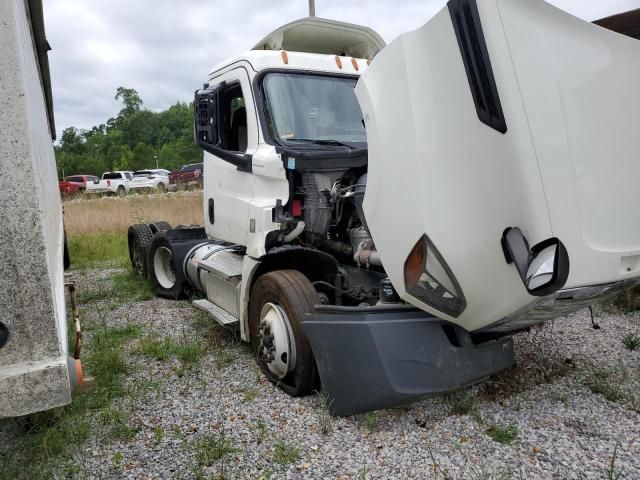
x=165, y=48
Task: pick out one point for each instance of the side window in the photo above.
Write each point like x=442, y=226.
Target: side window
x=233, y=119
x=221, y=123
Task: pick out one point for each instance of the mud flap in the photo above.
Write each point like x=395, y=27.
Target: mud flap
x=378, y=357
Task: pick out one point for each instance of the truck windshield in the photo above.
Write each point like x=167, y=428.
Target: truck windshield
x=318, y=109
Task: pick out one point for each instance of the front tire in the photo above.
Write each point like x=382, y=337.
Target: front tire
x=279, y=301
x=121, y=191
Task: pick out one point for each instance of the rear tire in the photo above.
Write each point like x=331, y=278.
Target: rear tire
x=165, y=281
x=279, y=300
x=139, y=237
x=159, y=226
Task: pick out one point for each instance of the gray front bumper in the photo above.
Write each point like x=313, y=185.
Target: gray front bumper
x=378, y=357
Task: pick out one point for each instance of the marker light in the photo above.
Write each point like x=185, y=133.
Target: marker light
x=428, y=278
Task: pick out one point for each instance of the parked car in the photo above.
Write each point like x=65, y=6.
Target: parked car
x=188, y=176
x=111, y=183
x=147, y=180
x=75, y=184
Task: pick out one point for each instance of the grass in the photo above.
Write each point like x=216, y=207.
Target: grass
x=156, y=349
x=209, y=449
x=261, y=431
x=113, y=215
x=607, y=383
x=124, y=287
x=285, y=453
x=325, y=420
x=158, y=434
x=86, y=250
x=116, y=423
x=48, y=439
x=463, y=403
x=188, y=351
x=370, y=421
x=97, y=227
x=631, y=341
x=611, y=472
x=249, y=395
x=503, y=435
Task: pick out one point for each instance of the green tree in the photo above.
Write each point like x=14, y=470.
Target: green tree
x=131, y=140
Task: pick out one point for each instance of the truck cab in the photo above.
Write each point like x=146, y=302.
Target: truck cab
x=381, y=219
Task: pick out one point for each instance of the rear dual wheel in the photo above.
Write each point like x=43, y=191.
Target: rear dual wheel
x=279, y=301
x=139, y=239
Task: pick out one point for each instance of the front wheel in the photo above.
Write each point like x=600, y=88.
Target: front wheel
x=279, y=301
x=121, y=191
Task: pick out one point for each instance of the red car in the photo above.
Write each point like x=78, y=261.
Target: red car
x=75, y=184
x=188, y=176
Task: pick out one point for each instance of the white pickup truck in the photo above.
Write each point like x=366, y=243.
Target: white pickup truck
x=111, y=182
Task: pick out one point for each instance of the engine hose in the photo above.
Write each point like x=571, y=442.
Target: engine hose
x=367, y=257
x=337, y=290
x=293, y=234
x=336, y=246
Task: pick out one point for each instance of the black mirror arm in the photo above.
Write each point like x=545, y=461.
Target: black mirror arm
x=241, y=160
x=516, y=250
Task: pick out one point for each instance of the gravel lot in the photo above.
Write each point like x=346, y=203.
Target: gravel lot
x=221, y=419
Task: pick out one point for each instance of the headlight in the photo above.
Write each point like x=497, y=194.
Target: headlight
x=428, y=278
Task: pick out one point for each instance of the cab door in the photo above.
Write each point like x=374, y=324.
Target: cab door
x=229, y=183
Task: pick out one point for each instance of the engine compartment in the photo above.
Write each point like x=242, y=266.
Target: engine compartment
x=324, y=213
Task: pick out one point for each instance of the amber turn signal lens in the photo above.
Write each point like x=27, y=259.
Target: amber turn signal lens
x=428, y=278
x=415, y=264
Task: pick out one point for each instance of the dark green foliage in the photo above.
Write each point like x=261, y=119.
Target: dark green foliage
x=131, y=140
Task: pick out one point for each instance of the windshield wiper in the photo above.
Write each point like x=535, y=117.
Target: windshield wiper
x=335, y=143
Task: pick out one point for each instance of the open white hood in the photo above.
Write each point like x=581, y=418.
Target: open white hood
x=551, y=146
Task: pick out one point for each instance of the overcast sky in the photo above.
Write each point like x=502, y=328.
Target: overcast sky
x=165, y=48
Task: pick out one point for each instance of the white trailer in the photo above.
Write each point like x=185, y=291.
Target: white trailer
x=37, y=371
x=382, y=226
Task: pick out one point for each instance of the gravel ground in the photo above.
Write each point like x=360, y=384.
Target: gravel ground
x=221, y=419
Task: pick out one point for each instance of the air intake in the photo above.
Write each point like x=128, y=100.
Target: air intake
x=466, y=24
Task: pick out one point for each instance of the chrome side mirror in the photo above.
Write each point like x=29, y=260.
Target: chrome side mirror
x=544, y=268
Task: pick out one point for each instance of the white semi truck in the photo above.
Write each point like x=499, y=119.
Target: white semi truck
x=38, y=370
x=380, y=220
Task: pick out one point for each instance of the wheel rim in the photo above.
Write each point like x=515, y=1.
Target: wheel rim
x=277, y=346
x=163, y=267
